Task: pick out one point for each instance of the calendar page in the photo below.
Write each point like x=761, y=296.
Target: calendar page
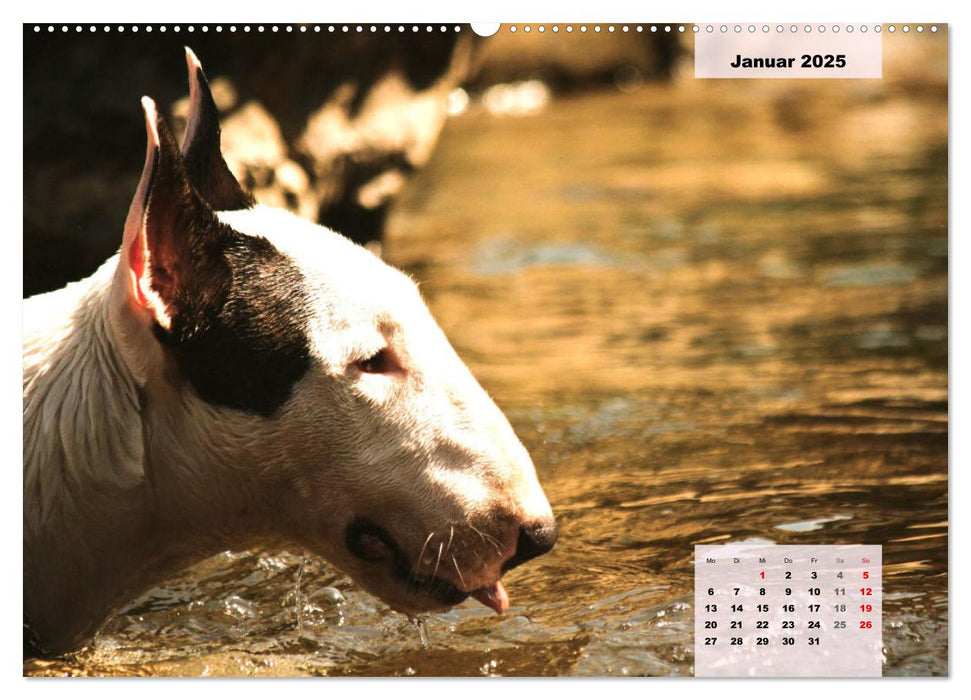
x=356, y=342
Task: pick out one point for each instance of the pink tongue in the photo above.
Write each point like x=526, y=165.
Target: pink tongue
x=494, y=597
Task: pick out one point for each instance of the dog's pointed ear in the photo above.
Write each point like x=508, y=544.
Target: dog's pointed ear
x=171, y=235
x=204, y=161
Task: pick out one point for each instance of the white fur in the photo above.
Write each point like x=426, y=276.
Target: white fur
x=129, y=475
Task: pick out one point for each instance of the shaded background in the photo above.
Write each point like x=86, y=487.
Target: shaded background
x=715, y=311
x=329, y=125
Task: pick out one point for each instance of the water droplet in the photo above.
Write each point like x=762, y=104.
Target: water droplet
x=331, y=595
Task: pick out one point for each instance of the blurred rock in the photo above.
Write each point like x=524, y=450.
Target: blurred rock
x=327, y=125
x=571, y=60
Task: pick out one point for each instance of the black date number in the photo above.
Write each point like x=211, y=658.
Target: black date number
x=816, y=60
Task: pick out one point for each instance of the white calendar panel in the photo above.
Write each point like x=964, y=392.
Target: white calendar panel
x=788, y=610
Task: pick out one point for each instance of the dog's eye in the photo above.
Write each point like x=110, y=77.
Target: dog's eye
x=377, y=363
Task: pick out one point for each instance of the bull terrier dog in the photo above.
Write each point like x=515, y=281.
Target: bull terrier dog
x=237, y=376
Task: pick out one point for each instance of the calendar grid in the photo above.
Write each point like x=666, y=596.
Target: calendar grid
x=788, y=610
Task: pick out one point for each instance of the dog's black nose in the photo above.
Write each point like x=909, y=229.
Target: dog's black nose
x=534, y=539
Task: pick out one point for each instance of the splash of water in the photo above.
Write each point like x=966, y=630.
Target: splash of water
x=297, y=597
x=419, y=623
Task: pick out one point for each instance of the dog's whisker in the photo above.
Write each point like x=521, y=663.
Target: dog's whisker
x=485, y=537
x=458, y=571
x=451, y=534
x=439, y=560
x=421, y=554
x=481, y=536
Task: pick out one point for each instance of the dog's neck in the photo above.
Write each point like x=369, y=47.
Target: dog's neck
x=99, y=487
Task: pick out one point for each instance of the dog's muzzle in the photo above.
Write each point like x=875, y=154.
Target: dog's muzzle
x=370, y=542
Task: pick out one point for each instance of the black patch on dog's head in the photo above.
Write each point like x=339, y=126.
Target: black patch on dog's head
x=232, y=305
x=239, y=333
